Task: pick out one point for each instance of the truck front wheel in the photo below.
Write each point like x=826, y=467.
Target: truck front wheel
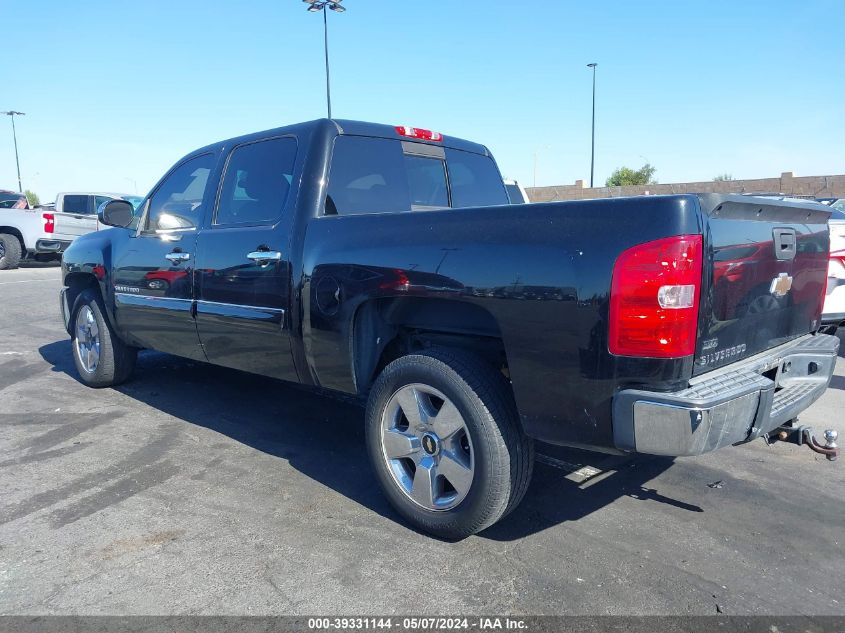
x=101, y=358
x=10, y=252
x=445, y=442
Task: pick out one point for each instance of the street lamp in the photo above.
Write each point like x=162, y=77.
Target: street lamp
x=12, y=114
x=321, y=5
x=593, y=147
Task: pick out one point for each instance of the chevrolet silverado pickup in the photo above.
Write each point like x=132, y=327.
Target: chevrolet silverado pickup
x=44, y=233
x=386, y=263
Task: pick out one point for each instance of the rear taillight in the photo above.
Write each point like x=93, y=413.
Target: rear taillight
x=49, y=222
x=415, y=132
x=654, y=298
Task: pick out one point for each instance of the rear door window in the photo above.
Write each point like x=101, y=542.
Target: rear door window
x=474, y=179
x=257, y=182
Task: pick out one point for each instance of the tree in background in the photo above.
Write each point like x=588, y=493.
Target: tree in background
x=32, y=198
x=723, y=177
x=627, y=176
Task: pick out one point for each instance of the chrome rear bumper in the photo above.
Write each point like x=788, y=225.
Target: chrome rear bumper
x=730, y=406
x=51, y=246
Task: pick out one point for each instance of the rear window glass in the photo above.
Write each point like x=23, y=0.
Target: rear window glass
x=12, y=201
x=475, y=180
x=375, y=175
x=426, y=182
x=75, y=204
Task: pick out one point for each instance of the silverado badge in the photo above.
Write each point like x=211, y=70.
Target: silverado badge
x=781, y=285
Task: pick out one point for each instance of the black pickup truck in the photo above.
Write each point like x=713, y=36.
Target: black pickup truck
x=385, y=262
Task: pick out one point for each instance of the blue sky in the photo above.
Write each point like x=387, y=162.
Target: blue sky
x=115, y=92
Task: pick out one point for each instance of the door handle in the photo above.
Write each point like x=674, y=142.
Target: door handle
x=178, y=257
x=264, y=257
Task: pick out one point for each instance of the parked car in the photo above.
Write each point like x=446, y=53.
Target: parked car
x=386, y=263
x=833, y=314
x=45, y=233
x=516, y=192
x=12, y=200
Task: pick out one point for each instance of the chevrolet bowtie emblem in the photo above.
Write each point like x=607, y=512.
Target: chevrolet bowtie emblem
x=781, y=285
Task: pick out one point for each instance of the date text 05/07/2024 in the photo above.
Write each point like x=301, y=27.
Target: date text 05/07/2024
x=417, y=623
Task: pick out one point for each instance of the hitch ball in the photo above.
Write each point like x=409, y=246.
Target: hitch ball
x=830, y=436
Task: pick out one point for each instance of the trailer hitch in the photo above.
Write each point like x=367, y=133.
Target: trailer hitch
x=803, y=435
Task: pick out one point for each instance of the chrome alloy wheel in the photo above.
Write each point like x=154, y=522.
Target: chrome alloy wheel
x=427, y=448
x=87, y=339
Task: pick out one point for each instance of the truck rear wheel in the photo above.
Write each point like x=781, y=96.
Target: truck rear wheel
x=101, y=358
x=10, y=252
x=445, y=442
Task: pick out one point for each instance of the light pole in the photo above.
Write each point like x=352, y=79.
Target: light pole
x=12, y=114
x=593, y=145
x=322, y=5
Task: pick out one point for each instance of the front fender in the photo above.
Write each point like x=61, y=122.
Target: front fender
x=87, y=262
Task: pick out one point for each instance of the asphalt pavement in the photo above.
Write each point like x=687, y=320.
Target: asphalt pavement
x=200, y=490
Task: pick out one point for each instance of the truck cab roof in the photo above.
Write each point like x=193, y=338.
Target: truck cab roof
x=353, y=128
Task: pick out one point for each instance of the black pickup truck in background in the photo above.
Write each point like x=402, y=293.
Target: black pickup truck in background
x=385, y=262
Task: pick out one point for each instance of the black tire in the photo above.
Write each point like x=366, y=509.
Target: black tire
x=10, y=252
x=503, y=454
x=116, y=359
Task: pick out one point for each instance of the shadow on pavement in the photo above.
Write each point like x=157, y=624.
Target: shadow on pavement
x=553, y=498
x=302, y=427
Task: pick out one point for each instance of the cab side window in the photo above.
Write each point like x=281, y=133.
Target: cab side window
x=367, y=176
x=177, y=203
x=475, y=180
x=257, y=182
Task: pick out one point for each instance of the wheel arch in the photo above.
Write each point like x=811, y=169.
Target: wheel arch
x=77, y=282
x=386, y=328
x=10, y=230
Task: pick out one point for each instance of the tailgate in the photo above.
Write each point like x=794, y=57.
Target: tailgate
x=71, y=225
x=765, y=273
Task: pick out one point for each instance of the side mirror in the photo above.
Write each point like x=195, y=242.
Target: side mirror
x=116, y=213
